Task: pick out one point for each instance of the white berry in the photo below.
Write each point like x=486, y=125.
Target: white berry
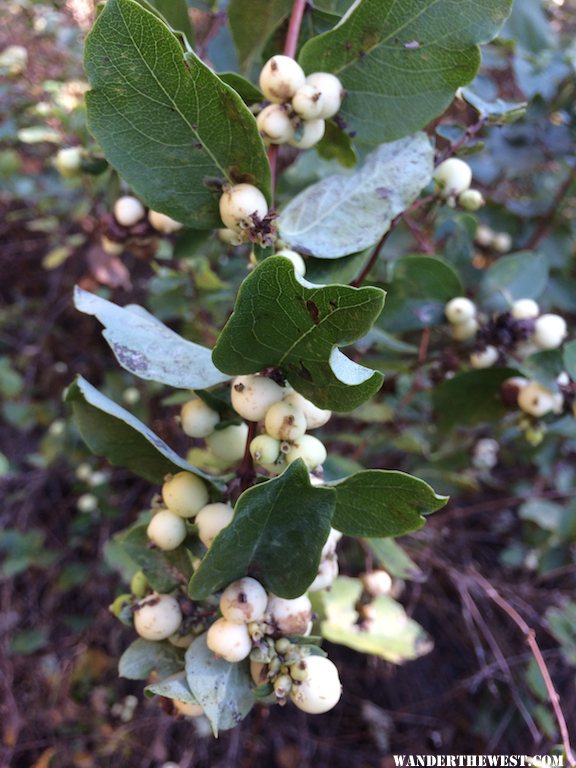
x=274, y=124
x=280, y=78
x=297, y=261
x=128, y=211
x=459, y=310
x=308, y=102
x=332, y=92
x=321, y=690
x=465, y=330
x=187, y=708
x=537, y=400
x=285, y=422
x=197, y=418
x=315, y=417
x=377, y=583
x=502, y=242
x=244, y=600
x=185, y=494
x=331, y=543
x=252, y=396
x=525, y=309
x=453, y=177
x=163, y=223
x=229, y=443
x=231, y=237
x=311, y=133
x=291, y=617
x=471, y=200
x=229, y=640
x=211, y=520
x=309, y=449
x=68, y=161
x=327, y=573
x=265, y=449
x=241, y=205
x=157, y=617
x=484, y=358
x=549, y=331
x=166, y=530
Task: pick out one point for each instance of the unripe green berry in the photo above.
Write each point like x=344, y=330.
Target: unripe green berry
x=244, y=600
x=321, y=690
x=211, y=520
x=197, y=418
x=280, y=78
x=128, y=211
x=285, y=422
x=229, y=443
x=139, y=584
x=240, y=204
x=252, y=396
x=166, y=530
x=265, y=449
x=471, y=200
x=229, y=640
x=282, y=686
x=157, y=617
x=185, y=494
x=282, y=645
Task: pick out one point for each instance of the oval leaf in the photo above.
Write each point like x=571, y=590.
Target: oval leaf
x=145, y=656
x=165, y=121
x=521, y=275
x=346, y=213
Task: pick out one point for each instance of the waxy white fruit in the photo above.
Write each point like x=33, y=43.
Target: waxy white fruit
x=185, y=494
x=327, y=573
x=321, y=690
x=284, y=422
x=252, y=396
x=211, y=520
x=231, y=237
x=549, y=331
x=166, y=530
x=157, y=617
x=229, y=640
x=297, y=261
x=376, y=583
x=331, y=91
x=460, y=310
x=502, y=242
x=68, y=161
x=229, y=443
x=274, y=124
x=187, y=708
x=265, y=449
x=309, y=449
x=537, y=400
x=128, y=211
x=453, y=177
x=244, y=600
x=239, y=205
x=291, y=617
x=311, y=133
x=485, y=358
x=163, y=223
x=525, y=309
x=315, y=417
x=308, y=102
x=465, y=330
x=197, y=418
x=280, y=78
x=471, y=200
x=331, y=543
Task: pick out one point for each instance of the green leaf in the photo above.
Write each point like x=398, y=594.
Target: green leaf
x=337, y=145
x=401, y=62
x=380, y=502
x=164, y=570
x=284, y=321
x=471, y=398
x=544, y=366
x=252, y=22
x=111, y=431
x=498, y=112
x=267, y=538
x=145, y=656
x=521, y=275
x=173, y=687
x=349, y=212
x=570, y=359
x=165, y=121
x=390, y=634
x=147, y=348
x=175, y=12
x=244, y=88
x=344, y=270
x=223, y=690
x=393, y=558
x=417, y=295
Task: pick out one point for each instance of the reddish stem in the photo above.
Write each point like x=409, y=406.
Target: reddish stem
x=294, y=28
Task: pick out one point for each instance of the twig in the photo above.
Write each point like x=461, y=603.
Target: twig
x=548, y=219
x=468, y=134
x=530, y=636
x=294, y=28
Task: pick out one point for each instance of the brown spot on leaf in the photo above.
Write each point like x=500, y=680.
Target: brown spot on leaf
x=313, y=312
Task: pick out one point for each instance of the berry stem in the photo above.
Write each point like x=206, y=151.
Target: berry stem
x=294, y=28
x=245, y=475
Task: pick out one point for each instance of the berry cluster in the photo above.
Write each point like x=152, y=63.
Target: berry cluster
x=130, y=220
x=453, y=178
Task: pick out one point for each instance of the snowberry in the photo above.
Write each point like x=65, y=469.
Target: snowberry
x=297, y=261
x=537, y=400
x=157, y=617
x=465, y=330
x=502, y=242
x=274, y=124
x=265, y=449
x=252, y=396
x=229, y=640
x=258, y=672
x=453, y=177
x=187, y=709
x=485, y=454
x=308, y=102
x=244, y=600
x=197, y=418
x=563, y=379
x=128, y=211
x=284, y=422
x=311, y=133
x=68, y=161
x=321, y=690
x=163, y=223
x=484, y=358
x=211, y=520
x=291, y=617
x=525, y=309
x=484, y=236
x=185, y=494
x=460, y=310
x=239, y=204
x=315, y=417
x=471, y=200
x=331, y=543
x=280, y=78
x=229, y=443
x=166, y=530
x=327, y=573
x=231, y=236
x=549, y=331
x=309, y=449
x=377, y=583
x=111, y=247
x=332, y=92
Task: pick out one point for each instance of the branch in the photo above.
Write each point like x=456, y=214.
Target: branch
x=548, y=218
